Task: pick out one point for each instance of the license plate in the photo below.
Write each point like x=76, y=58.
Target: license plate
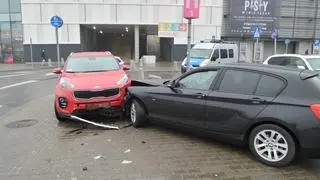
x=98, y=105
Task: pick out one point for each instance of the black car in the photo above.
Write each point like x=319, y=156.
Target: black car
x=272, y=109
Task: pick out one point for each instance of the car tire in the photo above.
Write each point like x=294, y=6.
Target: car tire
x=138, y=114
x=281, y=146
x=58, y=116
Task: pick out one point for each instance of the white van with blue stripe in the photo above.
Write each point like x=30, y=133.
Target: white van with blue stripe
x=204, y=53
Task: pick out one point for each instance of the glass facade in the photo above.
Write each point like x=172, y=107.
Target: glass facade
x=11, y=35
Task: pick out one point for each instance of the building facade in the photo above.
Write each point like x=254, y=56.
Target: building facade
x=297, y=22
x=128, y=28
x=11, y=34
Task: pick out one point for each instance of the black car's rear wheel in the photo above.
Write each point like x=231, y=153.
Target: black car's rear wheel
x=138, y=115
x=58, y=116
x=272, y=145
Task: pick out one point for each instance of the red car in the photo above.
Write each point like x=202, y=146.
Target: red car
x=90, y=82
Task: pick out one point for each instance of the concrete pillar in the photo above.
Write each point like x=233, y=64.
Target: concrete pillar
x=136, y=43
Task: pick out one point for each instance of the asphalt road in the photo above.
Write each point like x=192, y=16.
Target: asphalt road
x=33, y=145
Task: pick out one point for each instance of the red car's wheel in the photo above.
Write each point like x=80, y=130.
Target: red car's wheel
x=58, y=116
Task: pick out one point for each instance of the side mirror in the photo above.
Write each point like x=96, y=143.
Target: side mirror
x=126, y=67
x=57, y=70
x=301, y=67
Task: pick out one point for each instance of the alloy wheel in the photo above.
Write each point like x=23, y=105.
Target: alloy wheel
x=271, y=145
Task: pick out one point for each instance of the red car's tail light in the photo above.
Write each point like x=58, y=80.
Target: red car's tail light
x=315, y=108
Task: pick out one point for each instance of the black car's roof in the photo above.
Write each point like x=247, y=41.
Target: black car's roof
x=265, y=68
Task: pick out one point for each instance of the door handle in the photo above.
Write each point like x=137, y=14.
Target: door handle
x=257, y=100
x=201, y=95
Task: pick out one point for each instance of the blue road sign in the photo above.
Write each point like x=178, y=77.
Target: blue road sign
x=256, y=31
x=287, y=41
x=316, y=42
x=274, y=34
x=56, y=21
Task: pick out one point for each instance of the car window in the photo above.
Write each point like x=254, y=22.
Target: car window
x=280, y=61
x=239, y=82
x=91, y=64
x=231, y=55
x=215, y=55
x=224, y=53
x=295, y=62
x=199, y=80
x=314, y=63
x=269, y=86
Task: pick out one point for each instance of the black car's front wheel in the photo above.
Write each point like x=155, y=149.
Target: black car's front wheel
x=137, y=114
x=272, y=145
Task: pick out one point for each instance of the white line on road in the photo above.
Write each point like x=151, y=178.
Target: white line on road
x=155, y=76
x=11, y=75
x=49, y=74
x=17, y=84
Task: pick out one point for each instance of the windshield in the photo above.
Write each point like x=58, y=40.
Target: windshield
x=314, y=63
x=201, y=53
x=91, y=64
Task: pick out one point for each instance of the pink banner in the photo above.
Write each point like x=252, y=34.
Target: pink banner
x=191, y=9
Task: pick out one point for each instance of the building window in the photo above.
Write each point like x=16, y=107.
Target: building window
x=4, y=8
x=15, y=6
x=231, y=53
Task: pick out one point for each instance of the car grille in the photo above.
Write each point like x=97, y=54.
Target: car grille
x=96, y=94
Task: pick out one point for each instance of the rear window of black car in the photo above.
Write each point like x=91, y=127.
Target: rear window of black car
x=239, y=82
x=269, y=86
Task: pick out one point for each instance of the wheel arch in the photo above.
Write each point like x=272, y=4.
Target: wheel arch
x=272, y=122
x=133, y=97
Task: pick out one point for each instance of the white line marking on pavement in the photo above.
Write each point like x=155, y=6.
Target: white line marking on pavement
x=11, y=75
x=49, y=74
x=17, y=84
x=155, y=76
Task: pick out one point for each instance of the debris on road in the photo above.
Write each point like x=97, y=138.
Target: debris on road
x=84, y=169
x=109, y=140
x=93, y=123
x=97, y=157
x=143, y=142
x=96, y=134
x=82, y=144
x=127, y=151
x=126, y=162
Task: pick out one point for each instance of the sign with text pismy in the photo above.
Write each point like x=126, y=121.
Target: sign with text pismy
x=246, y=14
x=191, y=9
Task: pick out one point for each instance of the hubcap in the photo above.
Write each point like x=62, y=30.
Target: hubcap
x=133, y=113
x=271, y=145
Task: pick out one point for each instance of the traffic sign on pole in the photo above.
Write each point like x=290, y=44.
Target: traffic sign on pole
x=57, y=22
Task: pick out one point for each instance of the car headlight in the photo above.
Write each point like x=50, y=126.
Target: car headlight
x=123, y=80
x=66, y=83
x=204, y=63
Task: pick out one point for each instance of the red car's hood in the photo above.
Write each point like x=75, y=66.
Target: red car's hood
x=95, y=80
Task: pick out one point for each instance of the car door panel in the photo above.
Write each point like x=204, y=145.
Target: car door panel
x=230, y=113
x=182, y=106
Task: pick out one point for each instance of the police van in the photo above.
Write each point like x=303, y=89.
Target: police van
x=207, y=52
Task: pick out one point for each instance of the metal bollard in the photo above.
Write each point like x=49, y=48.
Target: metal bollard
x=132, y=64
x=43, y=61
x=49, y=62
x=62, y=61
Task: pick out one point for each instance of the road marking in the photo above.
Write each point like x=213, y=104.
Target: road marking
x=49, y=74
x=155, y=76
x=11, y=75
x=17, y=84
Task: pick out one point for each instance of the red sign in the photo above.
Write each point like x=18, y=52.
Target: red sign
x=191, y=9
